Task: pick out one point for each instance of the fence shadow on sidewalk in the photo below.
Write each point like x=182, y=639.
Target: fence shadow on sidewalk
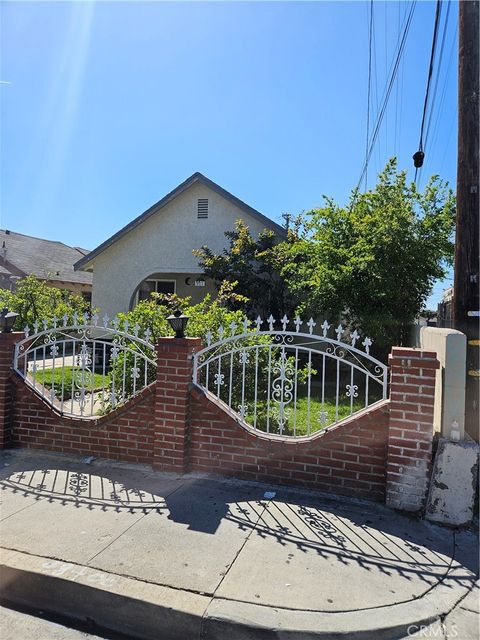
x=350, y=532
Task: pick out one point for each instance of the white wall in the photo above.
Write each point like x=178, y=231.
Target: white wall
x=451, y=349
x=164, y=244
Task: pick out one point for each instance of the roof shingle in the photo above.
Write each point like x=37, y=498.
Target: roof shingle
x=47, y=259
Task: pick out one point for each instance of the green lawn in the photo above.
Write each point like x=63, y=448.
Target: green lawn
x=303, y=415
x=53, y=377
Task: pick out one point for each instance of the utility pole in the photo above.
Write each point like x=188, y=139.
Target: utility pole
x=287, y=217
x=466, y=303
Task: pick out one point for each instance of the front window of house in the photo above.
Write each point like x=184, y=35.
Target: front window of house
x=154, y=286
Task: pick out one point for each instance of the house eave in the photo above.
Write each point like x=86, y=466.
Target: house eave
x=85, y=262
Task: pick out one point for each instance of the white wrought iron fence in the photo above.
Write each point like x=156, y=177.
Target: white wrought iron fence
x=85, y=367
x=290, y=381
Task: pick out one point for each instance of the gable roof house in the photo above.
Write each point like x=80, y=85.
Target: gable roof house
x=154, y=252
x=48, y=260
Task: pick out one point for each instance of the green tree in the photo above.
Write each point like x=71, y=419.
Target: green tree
x=34, y=300
x=255, y=265
x=151, y=314
x=375, y=260
x=206, y=316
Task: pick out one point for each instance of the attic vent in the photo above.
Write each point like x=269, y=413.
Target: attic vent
x=202, y=211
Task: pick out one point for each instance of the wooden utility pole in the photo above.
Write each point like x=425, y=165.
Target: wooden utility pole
x=466, y=303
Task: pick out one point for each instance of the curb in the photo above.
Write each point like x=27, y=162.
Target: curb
x=129, y=606
x=148, y=611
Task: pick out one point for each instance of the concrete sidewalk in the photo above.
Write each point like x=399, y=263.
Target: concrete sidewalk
x=165, y=557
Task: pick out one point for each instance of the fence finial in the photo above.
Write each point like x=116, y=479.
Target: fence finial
x=325, y=327
x=83, y=364
x=264, y=371
x=367, y=343
x=339, y=331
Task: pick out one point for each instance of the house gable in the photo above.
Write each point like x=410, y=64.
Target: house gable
x=162, y=241
x=247, y=213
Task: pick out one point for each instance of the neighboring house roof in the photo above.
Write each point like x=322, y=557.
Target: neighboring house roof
x=195, y=178
x=47, y=259
x=82, y=251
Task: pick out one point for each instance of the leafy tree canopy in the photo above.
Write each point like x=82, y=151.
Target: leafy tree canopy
x=254, y=264
x=372, y=262
x=152, y=313
x=206, y=316
x=34, y=300
x=375, y=260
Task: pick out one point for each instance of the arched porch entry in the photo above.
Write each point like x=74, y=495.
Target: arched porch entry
x=192, y=285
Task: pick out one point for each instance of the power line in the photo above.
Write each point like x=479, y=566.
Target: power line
x=386, y=69
x=444, y=88
x=388, y=90
x=439, y=66
x=370, y=31
x=400, y=79
x=396, y=90
x=375, y=69
x=447, y=144
x=419, y=155
x=438, y=71
x=386, y=94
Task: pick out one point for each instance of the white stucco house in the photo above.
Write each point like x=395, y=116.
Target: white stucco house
x=154, y=252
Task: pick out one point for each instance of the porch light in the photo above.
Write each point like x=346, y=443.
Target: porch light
x=178, y=321
x=7, y=320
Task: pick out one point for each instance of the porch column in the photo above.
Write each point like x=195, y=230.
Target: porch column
x=172, y=402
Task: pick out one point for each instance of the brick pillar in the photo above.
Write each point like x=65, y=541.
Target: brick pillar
x=172, y=402
x=7, y=344
x=410, y=434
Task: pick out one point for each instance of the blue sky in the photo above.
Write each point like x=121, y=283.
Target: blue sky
x=107, y=106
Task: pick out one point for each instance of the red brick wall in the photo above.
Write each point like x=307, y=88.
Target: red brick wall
x=174, y=373
x=384, y=452
x=410, y=437
x=126, y=434
x=7, y=345
x=348, y=459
